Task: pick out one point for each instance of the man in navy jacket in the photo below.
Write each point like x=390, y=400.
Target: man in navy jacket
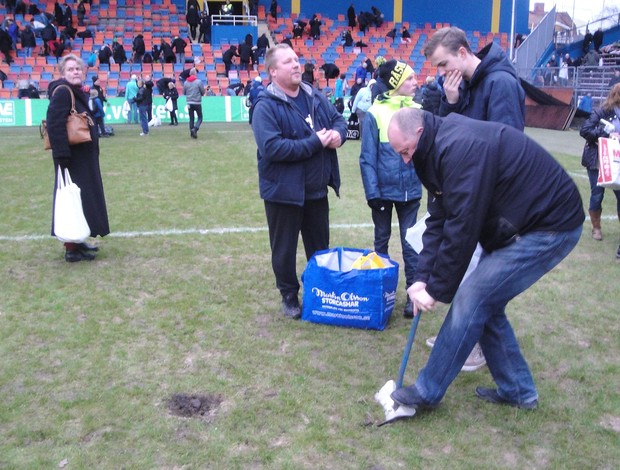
x=490, y=184
x=481, y=86
x=297, y=132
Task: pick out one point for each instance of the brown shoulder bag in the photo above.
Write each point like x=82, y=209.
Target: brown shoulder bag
x=78, y=125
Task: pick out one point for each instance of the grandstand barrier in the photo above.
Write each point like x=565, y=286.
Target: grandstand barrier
x=28, y=112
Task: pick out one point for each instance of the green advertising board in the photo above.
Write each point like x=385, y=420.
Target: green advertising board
x=214, y=109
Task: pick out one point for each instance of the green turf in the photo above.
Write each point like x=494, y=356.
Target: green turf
x=181, y=299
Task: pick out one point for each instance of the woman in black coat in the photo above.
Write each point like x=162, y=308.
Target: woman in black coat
x=591, y=130
x=81, y=160
x=171, y=93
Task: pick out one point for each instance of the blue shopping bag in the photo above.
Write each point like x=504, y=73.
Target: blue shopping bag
x=337, y=294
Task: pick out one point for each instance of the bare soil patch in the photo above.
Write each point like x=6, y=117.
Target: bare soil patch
x=193, y=406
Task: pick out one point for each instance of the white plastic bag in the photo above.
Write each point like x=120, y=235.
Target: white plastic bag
x=155, y=122
x=414, y=238
x=169, y=106
x=69, y=222
x=126, y=107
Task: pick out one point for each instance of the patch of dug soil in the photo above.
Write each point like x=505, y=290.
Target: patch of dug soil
x=193, y=406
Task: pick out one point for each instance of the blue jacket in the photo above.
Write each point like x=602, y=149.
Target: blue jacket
x=487, y=183
x=494, y=92
x=384, y=174
x=293, y=166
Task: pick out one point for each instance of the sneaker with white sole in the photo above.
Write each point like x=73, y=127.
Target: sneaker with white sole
x=474, y=361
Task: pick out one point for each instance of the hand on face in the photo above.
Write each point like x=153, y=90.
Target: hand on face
x=451, y=83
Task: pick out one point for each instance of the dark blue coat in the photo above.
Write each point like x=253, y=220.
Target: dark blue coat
x=487, y=183
x=493, y=93
x=293, y=166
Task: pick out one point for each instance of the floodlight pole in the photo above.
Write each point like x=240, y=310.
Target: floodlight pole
x=512, y=31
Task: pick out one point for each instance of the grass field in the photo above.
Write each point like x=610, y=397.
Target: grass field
x=181, y=300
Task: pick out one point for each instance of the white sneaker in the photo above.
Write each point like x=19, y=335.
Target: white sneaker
x=474, y=361
x=142, y=133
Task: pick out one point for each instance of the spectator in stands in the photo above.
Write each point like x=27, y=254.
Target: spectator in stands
x=96, y=109
x=21, y=8
x=140, y=101
x=347, y=39
x=59, y=14
x=68, y=14
x=330, y=70
x=315, y=27
x=391, y=35
x=81, y=13
x=235, y=89
x=147, y=58
x=156, y=53
x=591, y=130
x=539, y=80
x=615, y=79
x=482, y=86
x=226, y=9
x=592, y=59
x=298, y=29
x=308, y=73
x=389, y=183
x=138, y=48
x=56, y=47
x=351, y=16
x=405, y=35
x=297, y=132
x=28, y=40
x=205, y=28
x=6, y=46
x=131, y=90
x=194, y=3
x=22, y=88
x=10, y=6
x=104, y=54
x=179, y=45
x=184, y=75
x=118, y=52
x=262, y=44
x=364, y=20
x=193, y=18
x=597, y=39
x=245, y=55
x=209, y=91
x=194, y=90
x=273, y=9
x=585, y=103
x=14, y=32
x=167, y=53
x=431, y=95
x=171, y=93
x=587, y=40
x=3, y=77
x=377, y=16
x=100, y=91
x=228, y=57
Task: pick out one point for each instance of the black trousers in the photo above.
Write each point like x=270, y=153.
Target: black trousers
x=285, y=222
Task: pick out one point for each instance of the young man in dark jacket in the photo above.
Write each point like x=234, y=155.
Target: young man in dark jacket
x=490, y=184
x=297, y=132
x=481, y=86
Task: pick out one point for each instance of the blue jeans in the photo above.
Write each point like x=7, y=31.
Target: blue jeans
x=144, y=118
x=478, y=314
x=132, y=115
x=597, y=193
x=407, y=213
x=180, y=57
